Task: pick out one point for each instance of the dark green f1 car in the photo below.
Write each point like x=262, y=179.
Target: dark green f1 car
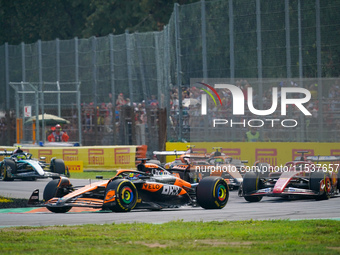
x=20, y=165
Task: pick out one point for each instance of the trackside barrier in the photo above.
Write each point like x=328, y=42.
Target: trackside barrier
x=273, y=153
x=92, y=157
x=75, y=166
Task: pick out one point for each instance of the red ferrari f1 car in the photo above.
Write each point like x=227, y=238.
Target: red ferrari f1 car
x=299, y=178
x=131, y=189
x=195, y=166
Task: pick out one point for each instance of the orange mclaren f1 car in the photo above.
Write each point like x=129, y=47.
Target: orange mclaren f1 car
x=133, y=189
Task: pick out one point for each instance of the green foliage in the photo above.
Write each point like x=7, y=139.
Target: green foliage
x=29, y=21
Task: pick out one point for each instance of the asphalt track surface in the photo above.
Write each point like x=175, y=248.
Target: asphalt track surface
x=236, y=209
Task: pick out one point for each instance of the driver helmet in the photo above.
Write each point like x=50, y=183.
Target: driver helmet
x=218, y=160
x=21, y=156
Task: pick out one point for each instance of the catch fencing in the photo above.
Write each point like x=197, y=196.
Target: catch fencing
x=238, y=40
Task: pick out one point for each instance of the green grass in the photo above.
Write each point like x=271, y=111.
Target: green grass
x=245, y=237
x=93, y=174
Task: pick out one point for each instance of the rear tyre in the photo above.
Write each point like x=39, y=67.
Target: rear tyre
x=321, y=183
x=58, y=166
x=251, y=183
x=8, y=164
x=125, y=195
x=212, y=192
x=52, y=190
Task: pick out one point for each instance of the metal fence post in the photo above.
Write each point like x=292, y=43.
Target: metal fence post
x=40, y=89
x=79, y=113
x=76, y=60
x=232, y=53
x=43, y=112
x=59, y=99
x=40, y=65
x=204, y=41
x=57, y=57
x=57, y=42
x=164, y=98
x=259, y=55
x=94, y=69
x=167, y=76
x=76, y=72
x=141, y=68
x=37, y=115
x=259, y=48
x=300, y=41
x=178, y=71
x=204, y=53
x=319, y=70
x=7, y=75
x=23, y=79
x=231, y=42
x=94, y=89
x=288, y=50
x=158, y=67
x=302, y=118
x=17, y=106
x=23, y=62
x=23, y=110
x=128, y=63
x=113, y=89
x=288, y=57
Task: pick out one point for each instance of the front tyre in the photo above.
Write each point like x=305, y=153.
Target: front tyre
x=6, y=167
x=251, y=183
x=212, y=192
x=125, y=193
x=52, y=189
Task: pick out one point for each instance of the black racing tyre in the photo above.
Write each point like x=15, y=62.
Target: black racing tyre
x=320, y=182
x=58, y=166
x=7, y=164
x=212, y=192
x=251, y=183
x=126, y=195
x=52, y=190
x=338, y=180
